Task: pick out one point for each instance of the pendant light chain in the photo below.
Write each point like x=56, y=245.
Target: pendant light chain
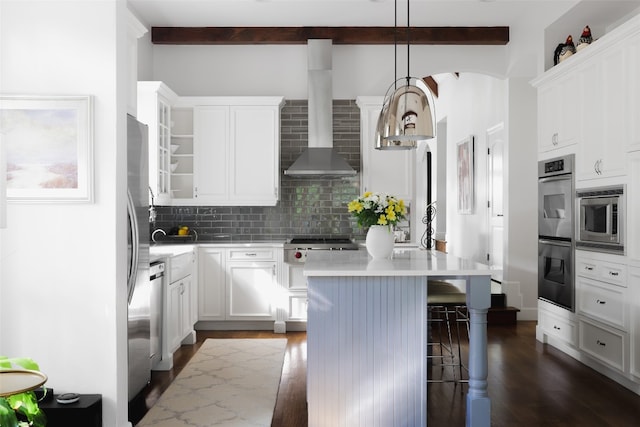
x=408, y=44
x=395, y=43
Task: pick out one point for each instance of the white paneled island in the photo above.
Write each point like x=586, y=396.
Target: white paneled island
x=367, y=337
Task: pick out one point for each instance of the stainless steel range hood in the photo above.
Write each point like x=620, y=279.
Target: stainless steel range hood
x=320, y=158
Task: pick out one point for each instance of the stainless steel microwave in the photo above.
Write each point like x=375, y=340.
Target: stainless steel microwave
x=601, y=219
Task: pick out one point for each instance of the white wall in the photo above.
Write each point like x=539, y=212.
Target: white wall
x=63, y=266
x=471, y=105
x=282, y=70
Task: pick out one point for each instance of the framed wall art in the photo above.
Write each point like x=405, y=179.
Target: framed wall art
x=464, y=155
x=48, y=148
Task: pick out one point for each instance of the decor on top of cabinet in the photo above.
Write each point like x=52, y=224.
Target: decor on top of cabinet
x=564, y=50
x=585, y=39
x=379, y=212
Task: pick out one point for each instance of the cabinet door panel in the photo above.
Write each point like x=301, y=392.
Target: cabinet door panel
x=602, y=302
x=211, y=133
x=251, y=289
x=211, y=284
x=254, y=153
x=173, y=316
x=606, y=345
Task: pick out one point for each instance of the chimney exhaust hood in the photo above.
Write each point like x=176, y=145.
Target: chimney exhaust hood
x=320, y=159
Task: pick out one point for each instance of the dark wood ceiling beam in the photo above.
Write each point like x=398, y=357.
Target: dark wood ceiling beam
x=339, y=35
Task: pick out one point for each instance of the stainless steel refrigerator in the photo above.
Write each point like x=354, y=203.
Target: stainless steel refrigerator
x=138, y=284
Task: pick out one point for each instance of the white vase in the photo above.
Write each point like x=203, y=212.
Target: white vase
x=380, y=241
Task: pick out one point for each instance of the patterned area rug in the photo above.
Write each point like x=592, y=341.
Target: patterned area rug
x=229, y=382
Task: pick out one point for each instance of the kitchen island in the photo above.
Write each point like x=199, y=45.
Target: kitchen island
x=367, y=337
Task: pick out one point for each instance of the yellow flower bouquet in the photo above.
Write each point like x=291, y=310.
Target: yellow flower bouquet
x=377, y=209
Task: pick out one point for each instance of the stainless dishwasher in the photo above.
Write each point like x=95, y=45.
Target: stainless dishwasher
x=156, y=277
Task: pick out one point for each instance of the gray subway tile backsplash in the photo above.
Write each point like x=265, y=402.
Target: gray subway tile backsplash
x=307, y=207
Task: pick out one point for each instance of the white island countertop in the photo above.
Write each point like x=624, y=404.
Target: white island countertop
x=404, y=262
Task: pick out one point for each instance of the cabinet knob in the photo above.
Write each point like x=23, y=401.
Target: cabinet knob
x=613, y=273
x=599, y=301
x=557, y=328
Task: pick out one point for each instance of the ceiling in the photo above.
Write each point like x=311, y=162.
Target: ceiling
x=347, y=12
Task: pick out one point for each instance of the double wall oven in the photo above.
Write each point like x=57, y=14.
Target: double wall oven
x=556, y=231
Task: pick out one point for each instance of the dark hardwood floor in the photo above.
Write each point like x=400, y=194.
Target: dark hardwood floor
x=530, y=384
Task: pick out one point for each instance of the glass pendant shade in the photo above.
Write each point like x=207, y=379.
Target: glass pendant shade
x=405, y=119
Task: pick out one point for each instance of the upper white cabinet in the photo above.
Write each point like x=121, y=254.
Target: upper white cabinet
x=237, y=151
x=383, y=171
x=633, y=48
x=558, y=109
x=604, y=114
x=154, y=109
x=588, y=105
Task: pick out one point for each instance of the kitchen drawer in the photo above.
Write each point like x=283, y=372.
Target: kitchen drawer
x=556, y=327
x=181, y=266
x=609, y=272
x=250, y=254
x=602, y=302
x=603, y=343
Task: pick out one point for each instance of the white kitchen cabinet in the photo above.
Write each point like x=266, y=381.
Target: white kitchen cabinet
x=604, y=85
x=180, y=298
x=179, y=312
x=633, y=49
x=182, y=153
x=154, y=109
x=558, y=109
x=557, y=324
x=634, y=330
x=383, y=171
x=237, y=151
x=238, y=283
x=605, y=344
x=603, y=308
x=296, y=288
x=252, y=286
x=632, y=242
x=211, y=283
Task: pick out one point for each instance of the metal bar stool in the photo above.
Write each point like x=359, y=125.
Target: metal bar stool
x=446, y=304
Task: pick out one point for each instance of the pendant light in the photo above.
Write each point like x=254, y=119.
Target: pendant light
x=406, y=116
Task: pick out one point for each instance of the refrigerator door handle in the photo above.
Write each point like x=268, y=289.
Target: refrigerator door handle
x=135, y=247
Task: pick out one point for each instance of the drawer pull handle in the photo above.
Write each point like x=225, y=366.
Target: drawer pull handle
x=557, y=328
x=250, y=254
x=589, y=268
x=613, y=273
x=599, y=301
x=603, y=344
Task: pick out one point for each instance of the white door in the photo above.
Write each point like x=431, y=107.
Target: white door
x=495, y=205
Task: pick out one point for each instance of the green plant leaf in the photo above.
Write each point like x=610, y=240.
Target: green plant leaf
x=22, y=362
x=7, y=416
x=27, y=404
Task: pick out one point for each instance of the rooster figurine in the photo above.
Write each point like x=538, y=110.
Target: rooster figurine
x=585, y=39
x=564, y=50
